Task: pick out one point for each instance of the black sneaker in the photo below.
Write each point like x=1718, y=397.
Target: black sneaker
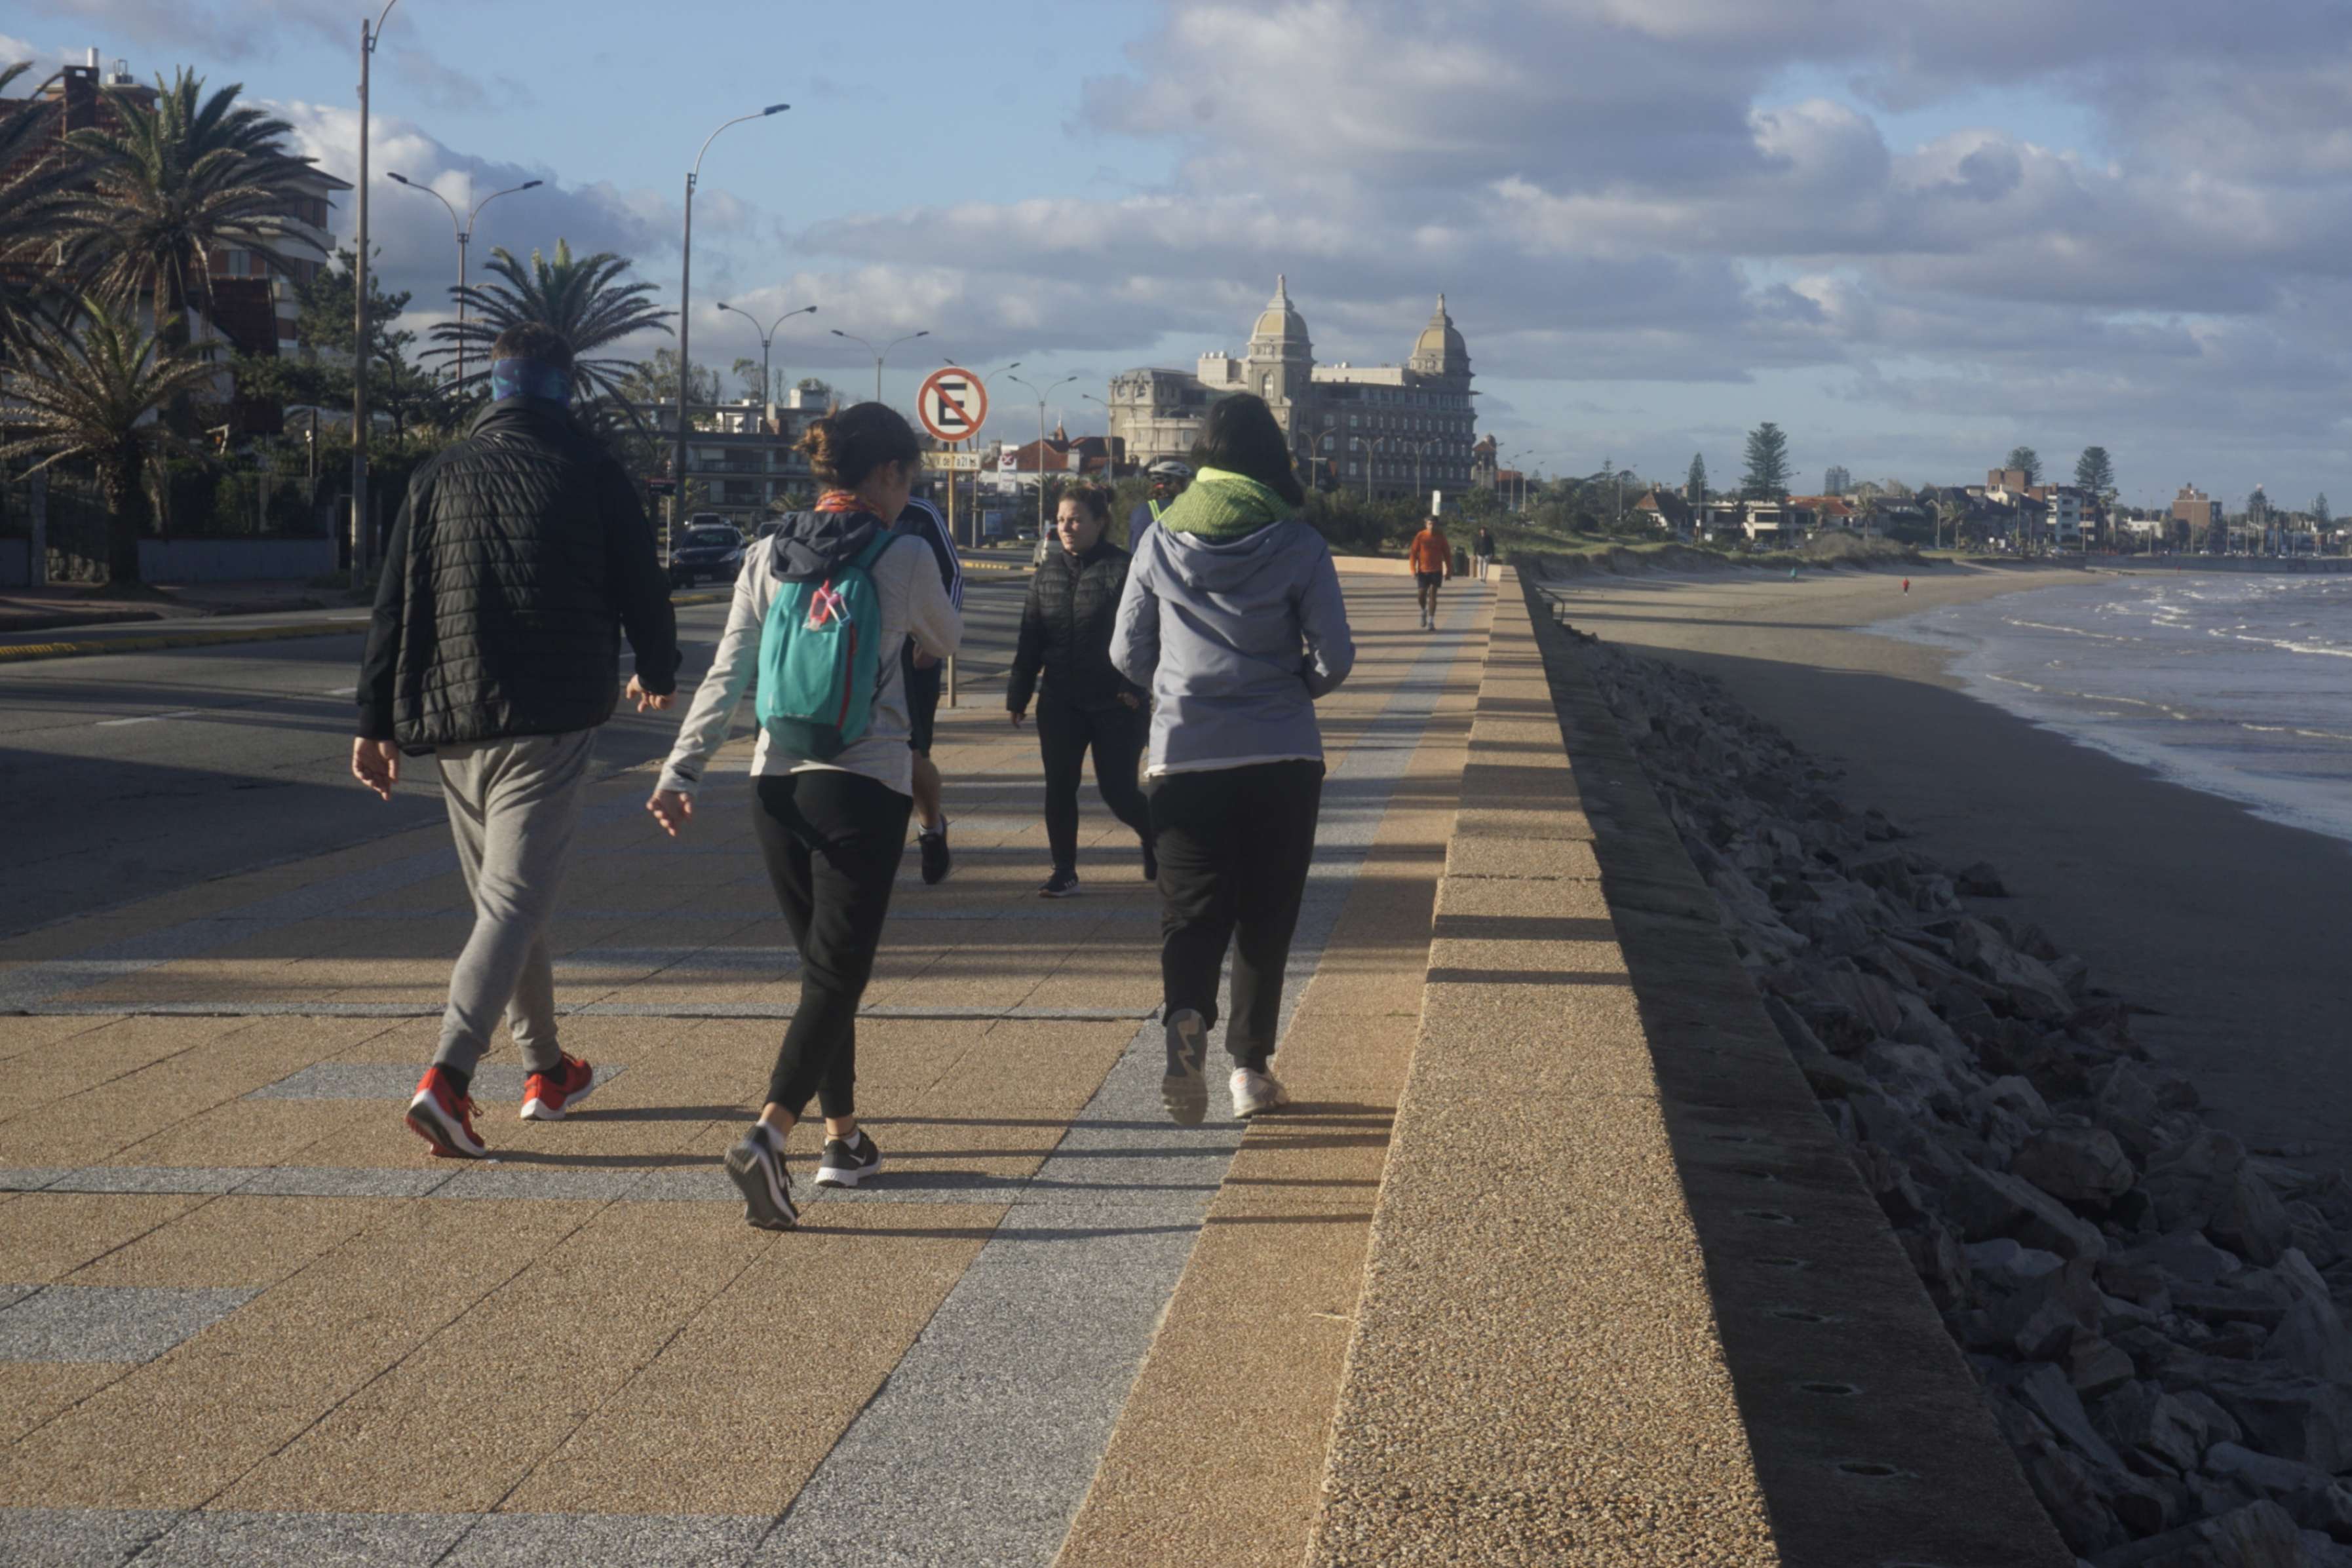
x=844, y=1165
x=935, y=859
x=1185, y=1090
x=757, y=1166
x=1061, y=884
x=1151, y=860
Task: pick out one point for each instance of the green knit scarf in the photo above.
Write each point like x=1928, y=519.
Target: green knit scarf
x=1221, y=507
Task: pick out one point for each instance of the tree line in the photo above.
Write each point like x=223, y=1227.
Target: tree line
x=112, y=359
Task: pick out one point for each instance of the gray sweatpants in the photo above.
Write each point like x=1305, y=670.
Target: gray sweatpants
x=513, y=806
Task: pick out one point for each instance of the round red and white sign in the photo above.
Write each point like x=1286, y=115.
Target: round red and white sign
x=953, y=404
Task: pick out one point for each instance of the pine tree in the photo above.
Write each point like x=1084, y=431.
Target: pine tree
x=2094, y=472
x=1695, y=488
x=1767, y=479
x=2028, y=459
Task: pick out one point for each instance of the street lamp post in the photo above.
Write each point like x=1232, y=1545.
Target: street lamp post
x=368, y=37
x=1370, y=447
x=686, y=322
x=768, y=387
x=883, y=355
x=464, y=228
x=1111, y=443
x=1041, y=396
x=1420, y=454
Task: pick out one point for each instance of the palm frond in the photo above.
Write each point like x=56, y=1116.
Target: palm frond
x=588, y=302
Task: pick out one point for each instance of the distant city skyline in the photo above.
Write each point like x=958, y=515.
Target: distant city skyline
x=1913, y=236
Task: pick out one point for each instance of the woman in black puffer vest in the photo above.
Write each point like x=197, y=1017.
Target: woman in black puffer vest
x=1084, y=701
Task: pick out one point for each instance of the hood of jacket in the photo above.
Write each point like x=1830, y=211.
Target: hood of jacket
x=811, y=545
x=1258, y=571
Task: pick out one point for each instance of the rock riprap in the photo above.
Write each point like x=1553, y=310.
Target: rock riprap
x=2155, y=1310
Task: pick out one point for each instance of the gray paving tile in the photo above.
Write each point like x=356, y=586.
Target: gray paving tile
x=340, y=1181
x=109, y=1323
x=32, y=1178
x=572, y=1540
x=207, y=1179
x=398, y=1080
x=225, y=1540
x=494, y=1180
x=77, y=1537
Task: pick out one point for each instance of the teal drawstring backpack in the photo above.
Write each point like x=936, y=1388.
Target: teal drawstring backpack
x=821, y=657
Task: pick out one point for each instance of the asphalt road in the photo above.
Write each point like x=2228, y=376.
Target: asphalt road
x=129, y=775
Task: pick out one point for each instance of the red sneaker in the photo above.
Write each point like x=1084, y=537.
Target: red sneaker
x=546, y=1096
x=445, y=1118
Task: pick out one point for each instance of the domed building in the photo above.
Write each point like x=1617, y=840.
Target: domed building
x=1397, y=430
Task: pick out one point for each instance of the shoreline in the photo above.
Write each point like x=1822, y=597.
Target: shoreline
x=2216, y=923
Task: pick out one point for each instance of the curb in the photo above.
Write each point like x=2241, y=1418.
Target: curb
x=27, y=653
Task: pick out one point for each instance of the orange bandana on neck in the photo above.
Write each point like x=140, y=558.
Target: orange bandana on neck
x=839, y=501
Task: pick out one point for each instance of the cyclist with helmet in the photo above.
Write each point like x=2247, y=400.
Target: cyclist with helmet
x=1169, y=477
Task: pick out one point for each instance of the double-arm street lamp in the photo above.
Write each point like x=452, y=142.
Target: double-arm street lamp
x=686, y=318
x=368, y=36
x=1041, y=397
x=464, y=227
x=883, y=355
x=1110, y=443
x=1370, y=447
x=767, y=386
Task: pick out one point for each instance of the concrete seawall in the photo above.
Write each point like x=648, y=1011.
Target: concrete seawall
x=1626, y=1300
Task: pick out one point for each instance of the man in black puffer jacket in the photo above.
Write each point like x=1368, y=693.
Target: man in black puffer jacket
x=520, y=557
x=1066, y=631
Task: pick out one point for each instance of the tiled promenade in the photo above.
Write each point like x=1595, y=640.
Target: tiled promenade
x=246, y=1322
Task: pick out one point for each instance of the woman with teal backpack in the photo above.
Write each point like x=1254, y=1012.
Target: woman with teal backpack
x=822, y=608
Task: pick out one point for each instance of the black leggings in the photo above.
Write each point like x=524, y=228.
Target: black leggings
x=1234, y=846
x=833, y=841
x=1116, y=735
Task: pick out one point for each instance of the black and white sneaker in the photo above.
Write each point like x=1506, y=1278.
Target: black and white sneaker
x=757, y=1166
x=845, y=1163
x=1185, y=1090
x=937, y=862
x=1061, y=884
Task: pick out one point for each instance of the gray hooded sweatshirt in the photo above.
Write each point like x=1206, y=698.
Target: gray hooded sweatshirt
x=1236, y=641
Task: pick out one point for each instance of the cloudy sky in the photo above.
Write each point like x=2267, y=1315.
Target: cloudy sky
x=1914, y=235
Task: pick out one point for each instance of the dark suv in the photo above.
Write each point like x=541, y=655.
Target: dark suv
x=714, y=550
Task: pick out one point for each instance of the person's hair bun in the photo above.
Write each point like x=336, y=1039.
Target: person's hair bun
x=842, y=448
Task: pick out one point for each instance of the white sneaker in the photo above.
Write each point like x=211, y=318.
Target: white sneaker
x=1256, y=1093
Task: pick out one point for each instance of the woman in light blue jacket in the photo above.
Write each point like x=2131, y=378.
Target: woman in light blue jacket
x=1233, y=618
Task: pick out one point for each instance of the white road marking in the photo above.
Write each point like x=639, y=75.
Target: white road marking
x=342, y=691
x=150, y=717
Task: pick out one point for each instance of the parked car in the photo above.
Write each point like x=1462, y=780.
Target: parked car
x=713, y=550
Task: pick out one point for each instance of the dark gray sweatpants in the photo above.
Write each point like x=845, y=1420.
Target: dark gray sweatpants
x=513, y=807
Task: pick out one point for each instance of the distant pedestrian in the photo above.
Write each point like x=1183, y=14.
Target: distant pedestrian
x=1432, y=562
x=1170, y=476
x=1907, y=585
x=519, y=556
x=1232, y=617
x=1483, y=551
x=1084, y=702
x=925, y=677
x=819, y=613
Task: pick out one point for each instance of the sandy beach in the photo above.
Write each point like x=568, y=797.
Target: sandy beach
x=2227, y=927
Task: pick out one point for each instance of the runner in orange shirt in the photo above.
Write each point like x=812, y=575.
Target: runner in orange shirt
x=1431, y=560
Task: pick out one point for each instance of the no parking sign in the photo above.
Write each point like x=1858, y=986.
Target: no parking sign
x=952, y=404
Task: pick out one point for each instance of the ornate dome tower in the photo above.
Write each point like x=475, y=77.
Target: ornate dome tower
x=1441, y=351
x=1281, y=363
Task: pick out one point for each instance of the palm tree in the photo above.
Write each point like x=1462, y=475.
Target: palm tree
x=583, y=300
x=166, y=189
x=90, y=390
x=30, y=185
